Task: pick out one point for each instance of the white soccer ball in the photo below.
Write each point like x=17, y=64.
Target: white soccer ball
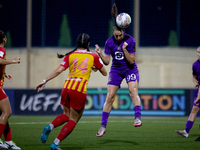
x=123, y=20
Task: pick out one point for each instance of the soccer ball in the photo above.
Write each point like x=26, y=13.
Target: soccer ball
x=123, y=20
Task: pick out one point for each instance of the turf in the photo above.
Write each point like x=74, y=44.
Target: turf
x=156, y=133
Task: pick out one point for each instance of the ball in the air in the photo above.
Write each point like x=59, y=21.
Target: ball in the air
x=123, y=20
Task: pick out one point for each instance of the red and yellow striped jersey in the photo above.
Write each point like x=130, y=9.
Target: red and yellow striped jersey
x=80, y=65
x=2, y=67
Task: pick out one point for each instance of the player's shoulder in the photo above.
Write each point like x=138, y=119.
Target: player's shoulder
x=94, y=55
x=129, y=38
x=2, y=51
x=197, y=62
x=110, y=40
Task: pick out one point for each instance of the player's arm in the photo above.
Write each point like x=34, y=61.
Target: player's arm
x=129, y=57
x=54, y=74
x=7, y=62
x=104, y=58
x=195, y=81
x=9, y=77
x=103, y=71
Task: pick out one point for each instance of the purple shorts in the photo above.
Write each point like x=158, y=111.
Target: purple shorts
x=116, y=77
x=196, y=94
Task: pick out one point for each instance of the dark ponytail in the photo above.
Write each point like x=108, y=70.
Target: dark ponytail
x=2, y=35
x=82, y=42
x=114, y=14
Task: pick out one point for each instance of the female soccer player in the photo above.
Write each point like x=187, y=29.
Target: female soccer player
x=5, y=108
x=121, y=47
x=196, y=104
x=73, y=97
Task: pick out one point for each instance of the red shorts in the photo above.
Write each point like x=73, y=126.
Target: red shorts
x=2, y=94
x=72, y=98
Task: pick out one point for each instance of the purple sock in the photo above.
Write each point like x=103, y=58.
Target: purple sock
x=104, y=119
x=188, y=126
x=137, y=112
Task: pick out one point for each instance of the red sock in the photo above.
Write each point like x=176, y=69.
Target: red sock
x=66, y=130
x=59, y=120
x=7, y=133
x=2, y=127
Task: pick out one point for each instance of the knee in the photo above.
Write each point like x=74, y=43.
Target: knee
x=133, y=93
x=110, y=99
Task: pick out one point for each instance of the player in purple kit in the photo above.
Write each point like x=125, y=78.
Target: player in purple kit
x=121, y=47
x=196, y=105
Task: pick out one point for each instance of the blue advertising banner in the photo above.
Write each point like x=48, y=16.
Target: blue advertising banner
x=154, y=102
x=11, y=96
x=30, y=102
x=157, y=102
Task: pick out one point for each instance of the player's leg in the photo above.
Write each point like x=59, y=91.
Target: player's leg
x=59, y=120
x=6, y=112
x=111, y=92
x=189, y=123
x=9, y=144
x=74, y=117
x=76, y=102
x=133, y=92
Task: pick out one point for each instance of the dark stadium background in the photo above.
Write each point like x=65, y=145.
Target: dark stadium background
x=157, y=19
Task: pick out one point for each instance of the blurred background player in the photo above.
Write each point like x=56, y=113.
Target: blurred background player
x=121, y=47
x=5, y=108
x=73, y=97
x=196, y=104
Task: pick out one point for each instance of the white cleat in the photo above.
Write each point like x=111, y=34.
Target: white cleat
x=101, y=132
x=182, y=133
x=11, y=146
x=2, y=146
x=137, y=123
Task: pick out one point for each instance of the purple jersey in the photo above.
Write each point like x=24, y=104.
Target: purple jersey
x=196, y=72
x=114, y=48
x=196, y=69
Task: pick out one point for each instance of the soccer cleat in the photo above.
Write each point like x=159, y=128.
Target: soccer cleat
x=2, y=146
x=11, y=146
x=183, y=133
x=137, y=123
x=45, y=134
x=101, y=132
x=55, y=147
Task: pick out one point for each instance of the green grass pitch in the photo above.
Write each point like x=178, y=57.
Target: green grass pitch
x=156, y=133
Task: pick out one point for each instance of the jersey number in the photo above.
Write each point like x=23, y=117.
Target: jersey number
x=82, y=66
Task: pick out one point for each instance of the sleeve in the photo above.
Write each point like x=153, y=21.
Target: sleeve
x=131, y=47
x=107, y=49
x=194, y=73
x=65, y=62
x=2, y=53
x=97, y=61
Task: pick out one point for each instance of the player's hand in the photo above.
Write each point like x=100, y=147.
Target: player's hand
x=9, y=77
x=196, y=86
x=124, y=46
x=16, y=60
x=97, y=49
x=94, y=69
x=197, y=102
x=40, y=86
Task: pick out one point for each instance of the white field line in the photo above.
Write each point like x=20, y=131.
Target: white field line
x=111, y=121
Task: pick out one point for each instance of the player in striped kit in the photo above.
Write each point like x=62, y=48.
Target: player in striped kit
x=73, y=97
x=5, y=108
